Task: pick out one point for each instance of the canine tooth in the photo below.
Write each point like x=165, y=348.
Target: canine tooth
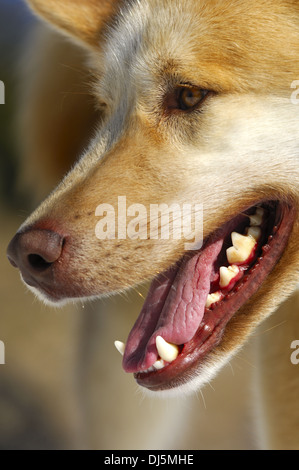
x=120, y=347
x=167, y=351
x=257, y=218
x=254, y=232
x=241, y=249
x=212, y=298
x=227, y=274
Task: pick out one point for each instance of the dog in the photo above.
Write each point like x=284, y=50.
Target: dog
x=192, y=106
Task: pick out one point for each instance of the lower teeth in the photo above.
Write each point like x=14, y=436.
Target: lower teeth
x=239, y=254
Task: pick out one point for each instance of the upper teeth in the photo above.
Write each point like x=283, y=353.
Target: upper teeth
x=241, y=249
x=257, y=218
x=227, y=275
x=244, y=244
x=167, y=351
x=254, y=232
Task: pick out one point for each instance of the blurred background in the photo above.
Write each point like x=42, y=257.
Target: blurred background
x=62, y=386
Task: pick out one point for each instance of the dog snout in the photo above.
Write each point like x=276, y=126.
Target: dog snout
x=34, y=252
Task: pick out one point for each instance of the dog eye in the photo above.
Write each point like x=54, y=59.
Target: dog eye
x=190, y=97
x=184, y=98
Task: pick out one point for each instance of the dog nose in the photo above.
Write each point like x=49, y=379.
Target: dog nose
x=34, y=251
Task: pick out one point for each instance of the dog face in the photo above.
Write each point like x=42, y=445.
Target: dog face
x=195, y=107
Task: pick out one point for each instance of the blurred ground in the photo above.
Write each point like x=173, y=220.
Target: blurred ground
x=62, y=386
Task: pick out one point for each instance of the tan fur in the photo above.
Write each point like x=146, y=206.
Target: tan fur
x=241, y=149
x=82, y=20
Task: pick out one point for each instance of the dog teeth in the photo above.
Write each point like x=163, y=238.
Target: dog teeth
x=227, y=275
x=241, y=249
x=159, y=364
x=167, y=351
x=120, y=347
x=254, y=232
x=257, y=218
x=213, y=298
x=242, y=242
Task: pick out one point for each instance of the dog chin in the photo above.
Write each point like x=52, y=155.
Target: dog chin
x=45, y=299
x=52, y=301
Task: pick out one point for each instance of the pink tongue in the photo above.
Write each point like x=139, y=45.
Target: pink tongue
x=173, y=309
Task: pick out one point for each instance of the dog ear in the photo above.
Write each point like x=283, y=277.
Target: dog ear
x=80, y=19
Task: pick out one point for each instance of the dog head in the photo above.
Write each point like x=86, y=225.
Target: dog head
x=197, y=124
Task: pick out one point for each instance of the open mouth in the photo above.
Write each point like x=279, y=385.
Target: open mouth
x=188, y=307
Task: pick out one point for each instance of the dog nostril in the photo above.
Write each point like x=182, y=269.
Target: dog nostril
x=35, y=250
x=38, y=263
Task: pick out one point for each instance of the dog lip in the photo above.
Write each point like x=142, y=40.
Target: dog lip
x=30, y=282
x=211, y=331
x=43, y=289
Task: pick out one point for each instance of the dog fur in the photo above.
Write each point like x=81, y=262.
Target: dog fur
x=241, y=148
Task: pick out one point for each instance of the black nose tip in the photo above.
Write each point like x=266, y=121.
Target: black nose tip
x=34, y=251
